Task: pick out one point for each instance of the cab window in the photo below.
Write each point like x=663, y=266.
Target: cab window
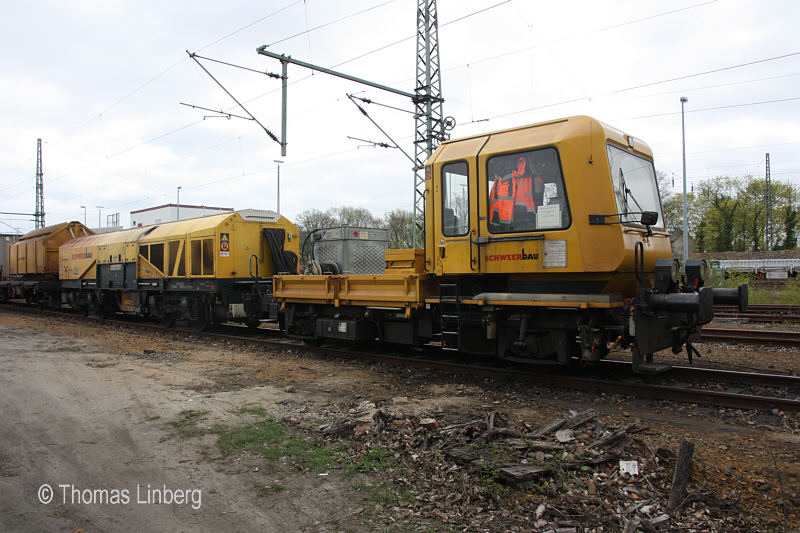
x=525, y=192
x=635, y=186
x=455, y=199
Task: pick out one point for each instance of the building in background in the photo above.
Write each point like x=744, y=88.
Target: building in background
x=170, y=213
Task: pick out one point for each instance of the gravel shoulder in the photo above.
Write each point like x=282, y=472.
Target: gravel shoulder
x=98, y=407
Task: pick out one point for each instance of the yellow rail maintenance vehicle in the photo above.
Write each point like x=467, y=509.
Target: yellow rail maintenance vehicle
x=544, y=244
x=199, y=271
x=33, y=263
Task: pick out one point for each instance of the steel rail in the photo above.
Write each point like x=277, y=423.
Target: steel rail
x=759, y=317
x=761, y=308
x=734, y=377
x=751, y=336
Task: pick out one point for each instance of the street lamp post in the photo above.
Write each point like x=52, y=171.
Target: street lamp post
x=685, y=207
x=84, y=214
x=178, y=204
x=99, y=212
x=279, y=161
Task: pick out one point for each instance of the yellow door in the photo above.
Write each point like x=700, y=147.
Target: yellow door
x=455, y=208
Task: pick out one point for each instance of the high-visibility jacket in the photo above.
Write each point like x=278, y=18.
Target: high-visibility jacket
x=523, y=195
x=501, y=199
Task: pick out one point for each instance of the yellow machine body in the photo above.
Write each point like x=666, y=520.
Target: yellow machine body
x=218, y=246
x=201, y=270
x=36, y=253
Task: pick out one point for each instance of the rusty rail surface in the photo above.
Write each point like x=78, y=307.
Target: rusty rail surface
x=751, y=336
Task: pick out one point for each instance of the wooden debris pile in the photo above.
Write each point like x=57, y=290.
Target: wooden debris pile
x=573, y=474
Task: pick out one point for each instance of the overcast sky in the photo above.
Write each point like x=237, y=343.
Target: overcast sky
x=101, y=83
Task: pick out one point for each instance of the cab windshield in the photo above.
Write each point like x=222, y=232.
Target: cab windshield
x=635, y=187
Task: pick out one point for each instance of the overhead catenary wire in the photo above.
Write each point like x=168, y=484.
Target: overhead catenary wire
x=309, y=30
x=223, y=113
x=250, y=24
x=370, y=101
x=173, y=131
x=649, y=84
x=269, y=133
x=716, y=108
x=464, y=17
x=375, y=144
x=224, y=37
x=364, y=112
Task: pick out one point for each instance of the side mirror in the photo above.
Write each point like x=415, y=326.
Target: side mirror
x=649, y=218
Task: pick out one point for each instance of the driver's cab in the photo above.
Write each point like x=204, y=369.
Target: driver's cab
x=519, y=201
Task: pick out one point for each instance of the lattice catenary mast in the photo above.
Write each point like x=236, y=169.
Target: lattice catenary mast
x=769, y=207
x=429, y=121
x=39, y=214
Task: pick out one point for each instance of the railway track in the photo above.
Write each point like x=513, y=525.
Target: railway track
x=761, y=317
x=760, y=313
x=783, y=387
x=751, y=336
x=761, y=308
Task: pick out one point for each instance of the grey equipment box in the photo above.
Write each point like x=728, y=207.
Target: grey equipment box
x=354, y=250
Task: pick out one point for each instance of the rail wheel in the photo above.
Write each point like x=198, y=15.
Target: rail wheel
x=167, y=319
x=313, y=341
x=107, y=307
x=201, y=315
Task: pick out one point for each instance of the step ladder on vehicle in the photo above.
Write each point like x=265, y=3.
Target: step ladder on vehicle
x=451, y=316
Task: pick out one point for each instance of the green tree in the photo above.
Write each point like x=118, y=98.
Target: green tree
x=717, y=199
x=791, y=219
x=729, y=213
x=750, y=220
x=354, y=216
x=400, y=224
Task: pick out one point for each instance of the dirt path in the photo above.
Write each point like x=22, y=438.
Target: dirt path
x=73, y=415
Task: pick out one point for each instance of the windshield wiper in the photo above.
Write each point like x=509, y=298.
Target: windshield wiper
x=627, y=192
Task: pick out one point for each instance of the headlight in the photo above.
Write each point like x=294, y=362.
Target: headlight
x=696, y=271
x=668, y=272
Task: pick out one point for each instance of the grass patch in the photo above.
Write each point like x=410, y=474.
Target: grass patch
x=383, y=496
x=787, y=294
x=488, y=475
x=388, y=494
x=186, y=425
x=360, y=485
x=270, y=440
x=404, y=495
x=269, y=490
x=371, y=461
x=258, y=411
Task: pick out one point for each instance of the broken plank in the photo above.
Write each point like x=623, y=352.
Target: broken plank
x=547, y=429
x=462, y=455
x=521, y=473
x=579, y=419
